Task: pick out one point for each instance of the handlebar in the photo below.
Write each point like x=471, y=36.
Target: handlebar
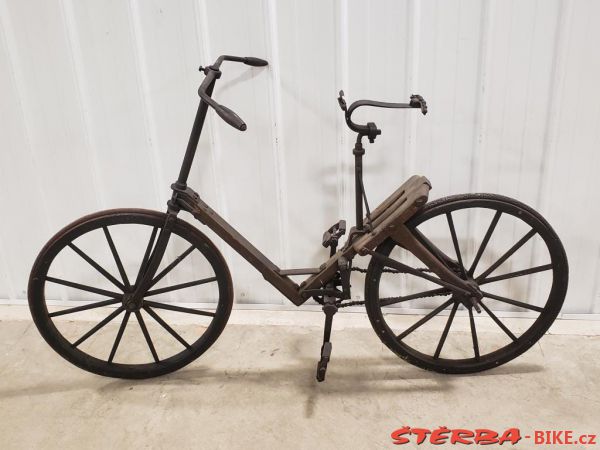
x=224, y=112
x=370, y=130
x=213, y=73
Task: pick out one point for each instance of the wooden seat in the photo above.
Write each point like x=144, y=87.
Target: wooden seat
x=395, y=210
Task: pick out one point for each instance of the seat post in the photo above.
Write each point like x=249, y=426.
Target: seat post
x=358, y=152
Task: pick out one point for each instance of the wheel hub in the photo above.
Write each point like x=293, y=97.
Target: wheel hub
x=471, y=300
x=130, y=303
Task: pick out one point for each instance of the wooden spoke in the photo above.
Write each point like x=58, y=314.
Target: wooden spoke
x=386, y=301
x=518, y=273
x=445, y=332
x=513, y=302
x=178, y=308
x=83, y=287
x=116, y=257
x=171, y=266
x=425, y=319
x=455, y=242
x=107, y=319
x=96, y=266
x=495, y=318
x=180, y=286
x=113, y=351
x=140, y=320
x=62, y=312
x=474, y=334
x=486, y=239
x=507, y=255
x=166, y=326
x=144, y=264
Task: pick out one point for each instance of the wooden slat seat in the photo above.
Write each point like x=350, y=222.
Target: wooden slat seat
x=394, y=211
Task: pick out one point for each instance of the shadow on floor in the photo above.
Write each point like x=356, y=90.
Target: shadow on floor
x=345, y=377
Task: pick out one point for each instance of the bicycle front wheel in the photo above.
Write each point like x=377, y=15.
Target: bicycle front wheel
x=498, y=244
x=94, y=263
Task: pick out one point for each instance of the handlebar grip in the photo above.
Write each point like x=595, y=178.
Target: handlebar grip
x=256, y=62
x=230, y=117
x=417, y=101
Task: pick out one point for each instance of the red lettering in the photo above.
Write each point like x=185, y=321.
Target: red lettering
x=437, y=436
x=592, y=439
x=398, y=435
x=556, y=437
x=484, y=436
x=538, y=437
x=569, y=437
x=460, y=436
x=512, y=435
x=421, y=434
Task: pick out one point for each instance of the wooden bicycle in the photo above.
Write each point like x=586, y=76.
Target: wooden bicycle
x=130, y=255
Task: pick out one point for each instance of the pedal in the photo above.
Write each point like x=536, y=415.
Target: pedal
x=333, y=234
x=322, y=364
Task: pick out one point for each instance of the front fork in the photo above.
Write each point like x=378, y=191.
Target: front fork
x=156, y=256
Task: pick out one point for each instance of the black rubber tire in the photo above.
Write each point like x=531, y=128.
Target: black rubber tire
x=504, y=354
x=48, y=330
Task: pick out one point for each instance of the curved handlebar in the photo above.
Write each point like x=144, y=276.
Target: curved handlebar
x=370, y=129
x=416, y=101
x=213, y=73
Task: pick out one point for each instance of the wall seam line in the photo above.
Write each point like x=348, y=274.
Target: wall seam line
x=563, y=31
x=143, y=88
x=414, y=46
x=481, y=97
x=16, y=76
x=343, y=163
x=83, y=100
x=278, y=135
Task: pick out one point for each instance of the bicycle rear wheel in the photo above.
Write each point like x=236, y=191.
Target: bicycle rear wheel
x=517, y=262
x=103, y=256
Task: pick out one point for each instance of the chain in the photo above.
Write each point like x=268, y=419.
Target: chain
x=424, y=296
x=340, y=304
x=361, y=270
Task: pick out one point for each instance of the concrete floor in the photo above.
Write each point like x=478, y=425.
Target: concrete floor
x=255, y=389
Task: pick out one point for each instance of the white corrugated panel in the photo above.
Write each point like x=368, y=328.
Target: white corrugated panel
x=97, y=100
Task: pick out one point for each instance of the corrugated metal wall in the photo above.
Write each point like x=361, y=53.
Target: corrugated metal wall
x=97, y=99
